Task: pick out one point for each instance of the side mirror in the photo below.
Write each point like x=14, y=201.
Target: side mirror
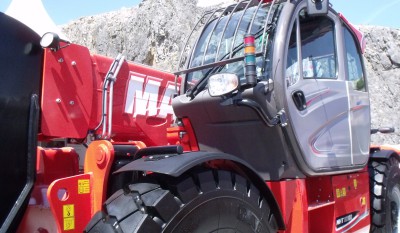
x=222, y=84
x=317, y=7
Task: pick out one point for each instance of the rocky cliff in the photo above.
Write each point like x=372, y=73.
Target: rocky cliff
x=154, y=32
x=382, y=60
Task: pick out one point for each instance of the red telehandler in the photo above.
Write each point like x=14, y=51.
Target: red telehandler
x=269, y=132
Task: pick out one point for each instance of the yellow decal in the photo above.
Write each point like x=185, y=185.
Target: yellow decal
x=344, y=192
x=355, y=183
x=69, y=217
x=338, y=193
x=363, y=201
x=341, y=192
x=83, y=186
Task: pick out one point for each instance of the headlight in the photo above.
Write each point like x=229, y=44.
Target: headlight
x=223, y=83
x=50, y=40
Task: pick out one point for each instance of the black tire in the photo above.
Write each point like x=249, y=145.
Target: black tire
x=385, y=195
x=198, y=201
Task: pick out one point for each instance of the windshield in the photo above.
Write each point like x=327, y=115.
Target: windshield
x=223, y=39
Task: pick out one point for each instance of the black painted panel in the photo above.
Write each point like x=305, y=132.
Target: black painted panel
x=20, y=74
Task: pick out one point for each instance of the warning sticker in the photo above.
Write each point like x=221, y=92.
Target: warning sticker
x=69, y=224
x=341, y=192
x=83, y=186
x=363, y=201
x=69, y=217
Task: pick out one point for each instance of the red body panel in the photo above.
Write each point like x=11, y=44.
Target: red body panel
x=72, y=94
x=71, y=107
x=358, y=33
x=67, y=92
x=142, y=102
x=324, y=204
x=51, y=164
x=292, y=199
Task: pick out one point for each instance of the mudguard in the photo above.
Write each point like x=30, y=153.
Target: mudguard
x=382, y=154
x=176, y=164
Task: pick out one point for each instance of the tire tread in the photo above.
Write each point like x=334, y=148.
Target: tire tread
x=150, y=205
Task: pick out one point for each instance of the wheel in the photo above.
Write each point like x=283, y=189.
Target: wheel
x=198, y=201
x=385, y=195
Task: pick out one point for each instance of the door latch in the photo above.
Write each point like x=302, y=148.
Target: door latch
x=299, y=100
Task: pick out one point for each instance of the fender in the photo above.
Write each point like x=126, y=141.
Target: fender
x=382, y=154
x=176, y=164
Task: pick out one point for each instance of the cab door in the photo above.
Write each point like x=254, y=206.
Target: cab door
x=317, y=96
x=359, y=109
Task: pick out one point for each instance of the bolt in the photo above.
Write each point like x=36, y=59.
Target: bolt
x=71, y=102
x=60, y=60
x=73, y=63
x=101, y=155
x=58, y=100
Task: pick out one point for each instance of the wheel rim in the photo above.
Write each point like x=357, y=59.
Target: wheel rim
x=224, y=206
x=394, y=208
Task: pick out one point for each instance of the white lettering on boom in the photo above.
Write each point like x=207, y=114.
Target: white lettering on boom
x=142, y=97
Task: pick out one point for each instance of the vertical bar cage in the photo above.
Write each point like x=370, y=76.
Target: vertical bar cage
x=218, y=21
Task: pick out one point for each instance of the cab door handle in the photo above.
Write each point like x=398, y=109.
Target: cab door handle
x=299, y=100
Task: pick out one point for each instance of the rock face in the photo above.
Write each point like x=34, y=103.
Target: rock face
x=150, y=33
x=382, y=60
x=154, y=32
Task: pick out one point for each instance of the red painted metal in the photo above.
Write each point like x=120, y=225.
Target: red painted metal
x=67, y=92
x=351, y=192
x=72, y=94
x=55, y=163
x=183, y=135
x=70, y=201
x=324, y=204
x=358, y=33
x=291, y=196
x=98, y=161
x=142, y=102
x=191, y=140
x=51, y=164
x=321, y=204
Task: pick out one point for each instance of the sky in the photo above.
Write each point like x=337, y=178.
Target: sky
x=367, y=12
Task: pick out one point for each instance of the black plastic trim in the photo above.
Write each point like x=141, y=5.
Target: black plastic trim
x=381, y=154
x=257, y=107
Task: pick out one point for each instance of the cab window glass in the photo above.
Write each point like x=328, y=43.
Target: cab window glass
x=219, y=42
x=354, y=66
x=292, y=68
x=318, y=51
